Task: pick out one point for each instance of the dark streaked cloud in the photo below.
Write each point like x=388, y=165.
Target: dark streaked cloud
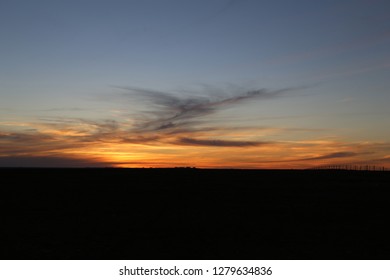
x=219, y=143
x=18, y=137
x=169, y=111
x=172, y=119
x=385, y=159
x=139, y=139
x=48, y=161
x=17, y=144
x=333, y=155
x=98, y=126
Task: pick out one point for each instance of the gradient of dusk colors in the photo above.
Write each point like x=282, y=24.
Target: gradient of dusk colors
x=209, y=84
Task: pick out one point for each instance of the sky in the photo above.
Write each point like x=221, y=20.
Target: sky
x=206, y=83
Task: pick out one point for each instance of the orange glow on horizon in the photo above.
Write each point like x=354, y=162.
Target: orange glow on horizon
x=236, y=149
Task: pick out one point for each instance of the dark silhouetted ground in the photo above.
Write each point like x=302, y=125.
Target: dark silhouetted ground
x=193, y=214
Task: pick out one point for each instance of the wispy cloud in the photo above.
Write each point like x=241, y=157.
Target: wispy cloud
x=174, y=129
x=49, y=161
x=383, y=160
x=219, y=143
x=24, y=137
x=171, y=122
x=24, y=143
x=170, y=111
x=335, y=155
x=332, y=156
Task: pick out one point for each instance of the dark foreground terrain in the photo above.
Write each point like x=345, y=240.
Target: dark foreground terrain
x=193, y=214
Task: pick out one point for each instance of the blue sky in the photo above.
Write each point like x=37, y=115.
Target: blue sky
x=90, y=61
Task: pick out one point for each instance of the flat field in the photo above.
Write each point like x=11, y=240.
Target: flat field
x=185, y=213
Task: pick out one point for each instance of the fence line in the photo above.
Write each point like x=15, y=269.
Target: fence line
x=351, y=167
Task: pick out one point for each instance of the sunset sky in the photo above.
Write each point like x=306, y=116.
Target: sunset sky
x=208, y=84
